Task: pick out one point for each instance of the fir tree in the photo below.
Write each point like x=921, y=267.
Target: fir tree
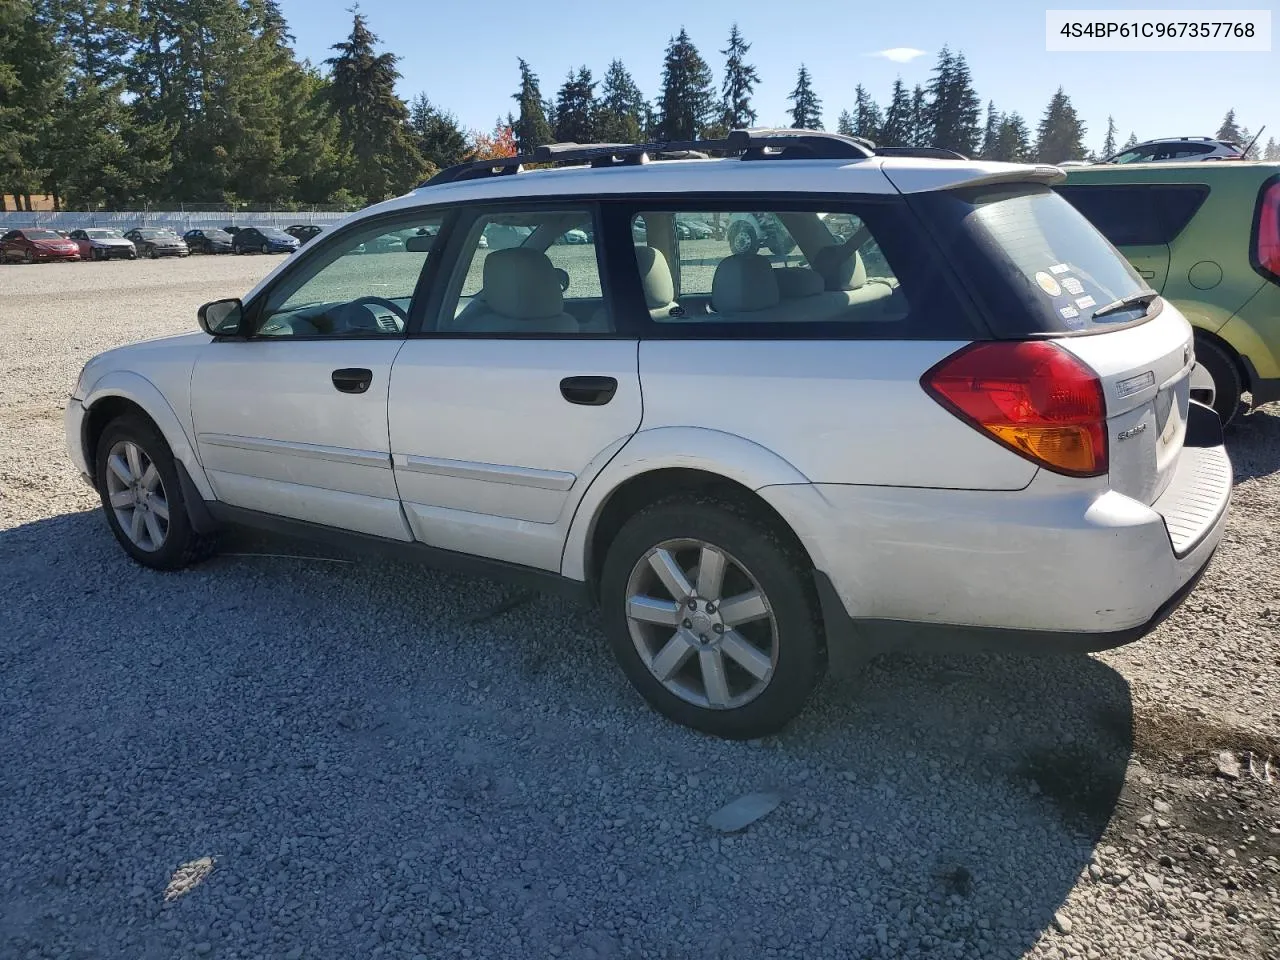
x=806, y=108
x=990, y=133
x=441, y=141
x=866, y=115
x=576, y=108
x=1013, y=144
x=687, y=100
x=896, y=129
x=844, y=123
x=1109, y=141
x=1272, y=151
x=531, y=128
x=1131, y=142
x=740, y=79
x=953, y=105
x=372, y=118
x=1229, y=131
x=920, y=126
x=621, y=114
x=1061, y=134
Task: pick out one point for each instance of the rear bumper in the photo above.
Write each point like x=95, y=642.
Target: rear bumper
x=1049, y=568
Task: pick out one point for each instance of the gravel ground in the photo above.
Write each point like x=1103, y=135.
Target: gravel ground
x=283, y=754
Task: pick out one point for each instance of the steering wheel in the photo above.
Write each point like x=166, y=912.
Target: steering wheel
x=382, y=302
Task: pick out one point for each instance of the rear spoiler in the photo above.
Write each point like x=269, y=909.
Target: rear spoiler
x=930, y=175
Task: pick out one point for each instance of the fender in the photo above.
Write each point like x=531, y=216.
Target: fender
x=133, y=386
x=690, y=448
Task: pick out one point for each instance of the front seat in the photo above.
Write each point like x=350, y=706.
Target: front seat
x=745, y=283
x=656, y=280
x=521, y=295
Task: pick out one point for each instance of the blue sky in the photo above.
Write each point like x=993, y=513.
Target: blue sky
x=463, y=55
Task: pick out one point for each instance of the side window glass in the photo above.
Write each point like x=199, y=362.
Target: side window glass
x=764, y=266
x=1127, y=216
x=527, y=272
x=360, y=284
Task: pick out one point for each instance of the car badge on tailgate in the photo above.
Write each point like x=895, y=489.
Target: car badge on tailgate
x=1132, y=431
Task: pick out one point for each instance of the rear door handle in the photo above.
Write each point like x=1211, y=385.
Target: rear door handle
x=1147, y=274
x=352, y=379
x=588, y=391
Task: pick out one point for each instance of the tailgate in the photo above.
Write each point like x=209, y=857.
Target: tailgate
x=1146, y=378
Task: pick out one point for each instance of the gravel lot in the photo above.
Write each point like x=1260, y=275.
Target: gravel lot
x=281, y=754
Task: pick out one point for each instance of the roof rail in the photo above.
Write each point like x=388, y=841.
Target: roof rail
x=754, y=144
x=928, y=153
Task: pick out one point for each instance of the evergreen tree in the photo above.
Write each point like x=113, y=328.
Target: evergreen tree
x=920, y=126
x=1229, y=131
x=1013, y=144
x=806, y=108
x=1061, y=134
x=740, y=79
x=896, y=130
x=844, y=124
x=1109, y=141
x=373, y=119
x=1272, y=152
x=33, y=73
x=441, y=141
x=621, y=114
x=1131, y=142
x=532, y=129
x=953, y=106
x=688, y=96
x=991, y=132
x=576, y=108
x=1247, y=144
x=866, y=115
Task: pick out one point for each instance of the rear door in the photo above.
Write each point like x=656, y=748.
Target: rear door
x=520, y=388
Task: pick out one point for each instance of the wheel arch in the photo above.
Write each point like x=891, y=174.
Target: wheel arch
x=1232, y=354
x=656, y=464
x=126, y=392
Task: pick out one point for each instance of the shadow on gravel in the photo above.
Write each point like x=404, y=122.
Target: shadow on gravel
x=377, y=755
x=1253, y=442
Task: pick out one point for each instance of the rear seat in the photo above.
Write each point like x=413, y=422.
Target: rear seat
x=747, y=287
x=844, y=273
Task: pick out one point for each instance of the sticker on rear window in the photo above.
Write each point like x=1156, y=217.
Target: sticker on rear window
x=1084, y=302
x=1048, y=284
x=1072, y=286
x=1069, y=312
x=1059, y=268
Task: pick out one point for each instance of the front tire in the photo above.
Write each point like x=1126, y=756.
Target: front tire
x=1228, y=384
x=151, y=252
x=713, y=617
x=742, y=239
x=142, y=497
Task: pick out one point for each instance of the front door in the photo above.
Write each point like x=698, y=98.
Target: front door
x=519, y=390
x=292, y=421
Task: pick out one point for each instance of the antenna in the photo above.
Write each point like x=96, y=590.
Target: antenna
x=1245, y=155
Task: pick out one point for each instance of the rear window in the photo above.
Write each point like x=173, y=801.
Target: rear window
x=1034, y=262
x=41, y=235
x=1136, y=214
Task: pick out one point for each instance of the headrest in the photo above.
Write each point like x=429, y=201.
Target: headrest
x=655, y=277
x=744, y=282
x=796, y=282
x=521, y=283
x=840, y=267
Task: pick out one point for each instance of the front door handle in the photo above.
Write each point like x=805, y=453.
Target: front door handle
x=352, y=379
x=588, y=391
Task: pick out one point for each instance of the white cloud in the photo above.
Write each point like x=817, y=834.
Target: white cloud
x=899, y=54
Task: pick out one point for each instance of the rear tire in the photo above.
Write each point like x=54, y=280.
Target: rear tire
x=264, y=249
x=740, y=675
x=742, y=239
x=142, y=498
x=1228, y=384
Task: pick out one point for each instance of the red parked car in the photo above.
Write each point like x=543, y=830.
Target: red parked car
x=32, y=245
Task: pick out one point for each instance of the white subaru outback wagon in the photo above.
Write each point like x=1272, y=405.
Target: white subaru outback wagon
x=949, y=416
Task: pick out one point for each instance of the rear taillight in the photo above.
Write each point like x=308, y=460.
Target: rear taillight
x=1266, y=232
x=1035, y=398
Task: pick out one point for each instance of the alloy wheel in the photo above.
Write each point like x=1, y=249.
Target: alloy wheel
x=701, y=624
x=137, y=496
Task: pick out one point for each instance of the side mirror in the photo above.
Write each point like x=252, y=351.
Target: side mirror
x=222, y=318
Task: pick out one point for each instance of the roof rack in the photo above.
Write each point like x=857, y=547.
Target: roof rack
x=755, y=144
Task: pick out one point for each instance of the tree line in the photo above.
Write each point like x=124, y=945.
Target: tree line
x=114, y=103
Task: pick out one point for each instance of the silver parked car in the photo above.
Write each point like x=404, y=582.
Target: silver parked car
x=952, y=418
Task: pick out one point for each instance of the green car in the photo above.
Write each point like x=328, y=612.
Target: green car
x=1207, y=237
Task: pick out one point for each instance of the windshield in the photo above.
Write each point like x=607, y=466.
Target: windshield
x=41, y=235
x=217, y=235
x=156, y=234
x=274, y=234
x=103, y=234
x=1037, y=262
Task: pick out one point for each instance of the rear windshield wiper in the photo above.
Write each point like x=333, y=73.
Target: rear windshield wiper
x=1124, y=303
